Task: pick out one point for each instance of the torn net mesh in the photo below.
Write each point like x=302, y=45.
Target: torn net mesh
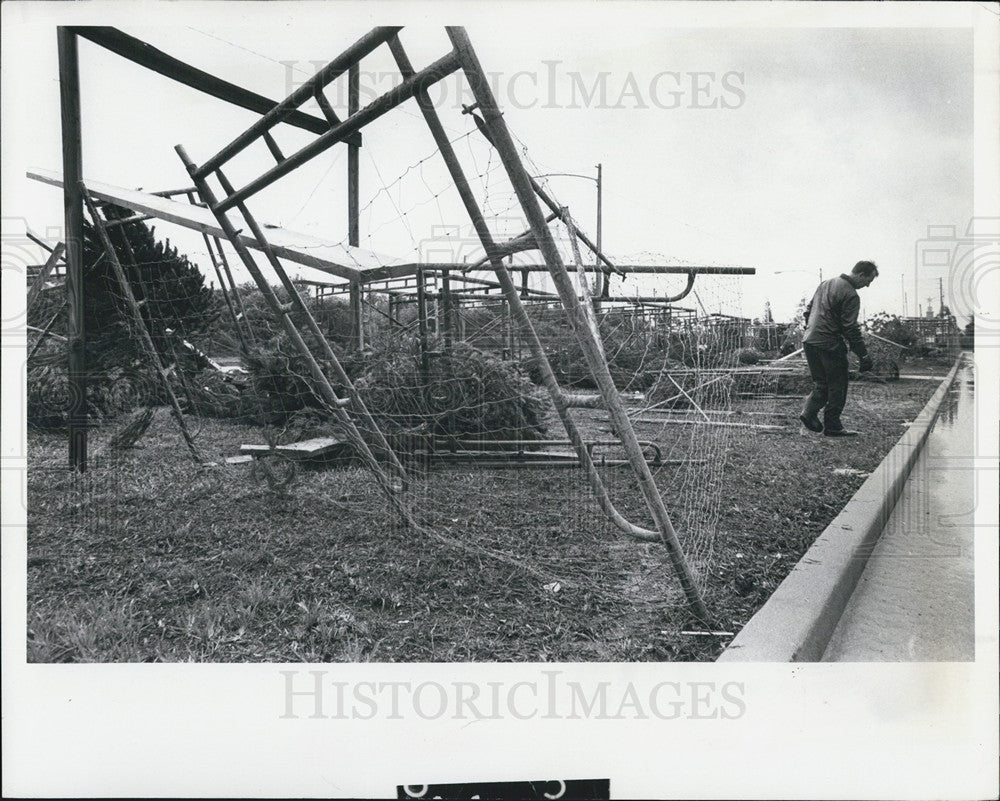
x=488, y=466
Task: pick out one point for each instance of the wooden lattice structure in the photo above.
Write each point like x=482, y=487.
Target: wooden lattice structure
x=218, y=209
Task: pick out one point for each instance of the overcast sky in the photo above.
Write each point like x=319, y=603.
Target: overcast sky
x=790, y=150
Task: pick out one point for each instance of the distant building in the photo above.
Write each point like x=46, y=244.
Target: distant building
x=933, y=331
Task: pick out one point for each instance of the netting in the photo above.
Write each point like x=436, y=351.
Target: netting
x=444, y=386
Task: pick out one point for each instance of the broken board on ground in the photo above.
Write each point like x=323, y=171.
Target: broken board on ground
x=306, y=449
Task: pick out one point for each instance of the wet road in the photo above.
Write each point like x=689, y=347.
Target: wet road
x=914, y=601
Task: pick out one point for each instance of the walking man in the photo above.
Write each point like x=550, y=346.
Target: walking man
x=831, y=326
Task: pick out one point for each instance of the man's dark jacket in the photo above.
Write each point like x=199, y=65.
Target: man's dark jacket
x=832, y=317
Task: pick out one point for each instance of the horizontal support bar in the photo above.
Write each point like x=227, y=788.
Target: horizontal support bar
x=638, y=269
x=127, y=220
x=401, y=93
x=172, y=192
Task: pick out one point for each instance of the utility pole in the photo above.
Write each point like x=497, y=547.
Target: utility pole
x=599, y=179
x=941, y=297
x=602, y=279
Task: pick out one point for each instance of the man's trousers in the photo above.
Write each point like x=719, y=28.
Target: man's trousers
x=828, y=369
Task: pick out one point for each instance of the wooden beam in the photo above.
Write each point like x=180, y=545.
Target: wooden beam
x=353, y=161
x=144, y=54
x=72, y=158
x=720, y=423
x=43, y=275
x=344, y=261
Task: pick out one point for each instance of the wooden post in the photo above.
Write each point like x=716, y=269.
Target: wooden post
x=357, y=315
x=72, y=155
x=422, y=321
x=353, y=153
x=511, y=332
x=353, y=201
x=445, y=314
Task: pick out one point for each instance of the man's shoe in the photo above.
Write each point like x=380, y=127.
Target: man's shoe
x=812, y=423
x=839, y=432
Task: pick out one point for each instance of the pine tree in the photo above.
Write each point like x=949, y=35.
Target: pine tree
x=173, y=299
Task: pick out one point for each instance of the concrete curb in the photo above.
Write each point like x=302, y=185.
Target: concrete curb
x=796, y=623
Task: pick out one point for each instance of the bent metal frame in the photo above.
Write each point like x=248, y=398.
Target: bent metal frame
x=330, y=130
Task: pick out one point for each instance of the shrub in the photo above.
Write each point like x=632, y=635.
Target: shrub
x=748, y=356
x=110, y=392
x=224, y=395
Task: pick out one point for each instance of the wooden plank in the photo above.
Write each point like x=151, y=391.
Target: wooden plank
x=156, y=60
x=789, y=356
x=755, y=396
x=344, y=261
x=723, y=423
x=312, y=447
x=306, y=449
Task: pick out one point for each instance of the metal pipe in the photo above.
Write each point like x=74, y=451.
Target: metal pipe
x=522, y=185
x=638, y=269
x=517, y=309
x=604, y=279
x=128, y=220
x=407, y=89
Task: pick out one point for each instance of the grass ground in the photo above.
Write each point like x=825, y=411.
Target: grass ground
x=147, y=557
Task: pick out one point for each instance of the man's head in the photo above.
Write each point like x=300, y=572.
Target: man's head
x=864, y=273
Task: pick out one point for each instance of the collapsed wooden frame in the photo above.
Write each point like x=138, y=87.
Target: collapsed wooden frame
x=373, y=449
